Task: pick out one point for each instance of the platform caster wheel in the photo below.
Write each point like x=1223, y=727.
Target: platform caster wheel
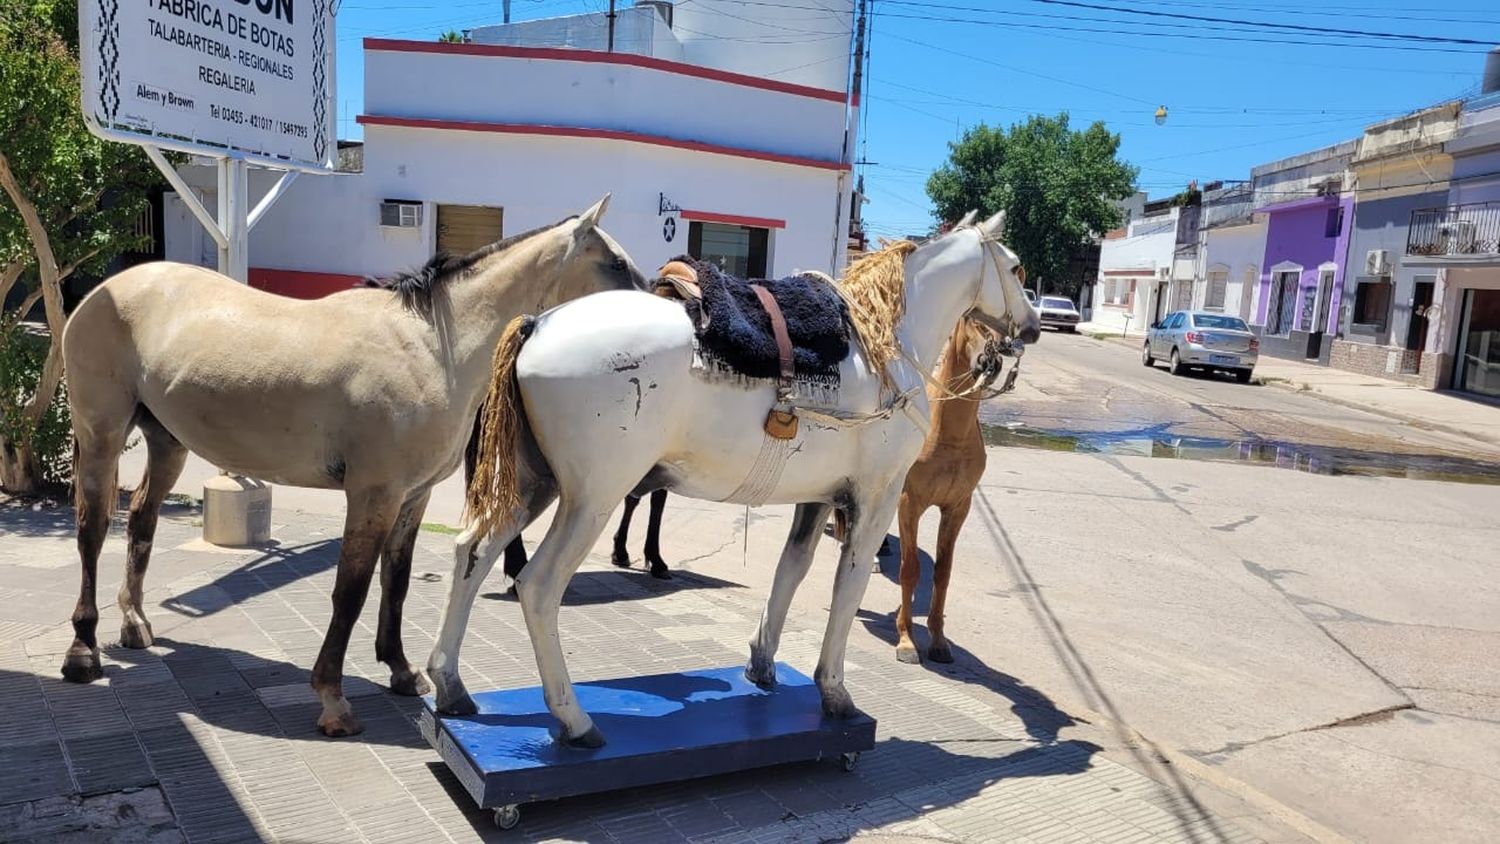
x=849, y=761
x=507, y=817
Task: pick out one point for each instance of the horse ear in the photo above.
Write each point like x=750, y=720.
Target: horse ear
x=590, y=218
x=968, y=219
x=995, y=225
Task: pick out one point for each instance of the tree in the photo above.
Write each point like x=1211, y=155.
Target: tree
x=70, y=205
x=1053, y=182
x=452, y=37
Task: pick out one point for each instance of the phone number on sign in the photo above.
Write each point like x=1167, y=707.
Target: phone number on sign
x=257, y=121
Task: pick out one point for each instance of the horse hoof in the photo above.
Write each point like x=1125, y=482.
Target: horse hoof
x=838, y=704
x=620, y=560
x=661, y=573
x=762, y=677
x=340, y=725
x=409, y=683
x=81, y=665
x=908, y=655
x=461, y=705
x=588, y=741
x=940, y=653
x=136, y=636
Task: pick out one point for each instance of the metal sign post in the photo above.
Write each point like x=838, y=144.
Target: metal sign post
x=243, y=83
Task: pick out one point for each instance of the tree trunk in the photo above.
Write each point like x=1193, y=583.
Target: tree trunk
x=18, y=461
x=20, y=468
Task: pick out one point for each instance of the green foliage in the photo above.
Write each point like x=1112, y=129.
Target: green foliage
x=1054, y=183
x=451, y=37
x=50, y=442
x=89, y=192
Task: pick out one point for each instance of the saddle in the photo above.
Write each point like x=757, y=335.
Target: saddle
x=794, y=330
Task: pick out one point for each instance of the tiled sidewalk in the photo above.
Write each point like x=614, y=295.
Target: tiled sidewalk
x=209, y=735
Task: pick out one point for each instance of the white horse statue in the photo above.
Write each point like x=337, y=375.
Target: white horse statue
x=372, y=391
x=598, y=398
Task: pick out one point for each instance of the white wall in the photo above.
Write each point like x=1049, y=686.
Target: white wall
x=1235, y=249
x=805, y=43
x=638, y=30
x=595, y=95
x=331, y=223
x=1149, y=246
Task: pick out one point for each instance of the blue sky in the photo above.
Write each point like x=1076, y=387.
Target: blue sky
x=937, y=67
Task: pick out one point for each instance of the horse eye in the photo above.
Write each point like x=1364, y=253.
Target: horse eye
x=619, y=265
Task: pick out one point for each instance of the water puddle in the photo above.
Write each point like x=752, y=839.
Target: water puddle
x=1158, y=441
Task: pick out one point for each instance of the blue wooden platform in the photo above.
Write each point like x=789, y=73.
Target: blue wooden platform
x=660, y=728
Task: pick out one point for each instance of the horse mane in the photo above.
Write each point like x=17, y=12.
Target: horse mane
x=417, y=287
x=875, y=288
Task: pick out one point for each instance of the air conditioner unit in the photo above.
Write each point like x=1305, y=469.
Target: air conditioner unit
x=1456, y=238
x=1377, y=262
x=400, y=214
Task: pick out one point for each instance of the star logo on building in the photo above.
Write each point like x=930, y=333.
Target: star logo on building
x=669, y=229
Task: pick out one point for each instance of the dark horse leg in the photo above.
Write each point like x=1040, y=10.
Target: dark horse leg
x=165, y=457
x=653, y=537
x=621, y=555
x=395, y=579
x=372, y=513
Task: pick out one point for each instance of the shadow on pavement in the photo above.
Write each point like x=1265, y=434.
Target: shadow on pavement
x=603, y=587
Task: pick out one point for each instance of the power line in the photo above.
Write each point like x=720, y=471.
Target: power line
x=1288, y=27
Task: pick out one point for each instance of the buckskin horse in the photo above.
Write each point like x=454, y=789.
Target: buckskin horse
x=373, y=391
x=599, y=398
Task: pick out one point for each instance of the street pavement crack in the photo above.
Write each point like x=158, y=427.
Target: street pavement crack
x=719, y=550
x=1371, y=717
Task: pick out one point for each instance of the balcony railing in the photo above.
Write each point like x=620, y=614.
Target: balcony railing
x=1458, y=230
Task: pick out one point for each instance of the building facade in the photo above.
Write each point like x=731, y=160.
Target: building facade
x=1135, y=270
x=1458, y=244
x=1231, y=245
x=1307, y=214
x=1399, y=168
x=706, y=148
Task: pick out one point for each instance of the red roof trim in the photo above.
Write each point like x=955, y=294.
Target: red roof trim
x=733, y=219
x=608, y=134
x=395, y=45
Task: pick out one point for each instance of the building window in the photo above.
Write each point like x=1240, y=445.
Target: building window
x=1478, y=369
x=1335, y=222
x=1372, y=303
x=737, y=250
x=1218, y=284
x=1117, y=291
x=1283, y=305
x=462, y=229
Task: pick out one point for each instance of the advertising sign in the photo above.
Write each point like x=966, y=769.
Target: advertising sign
x=254, y=76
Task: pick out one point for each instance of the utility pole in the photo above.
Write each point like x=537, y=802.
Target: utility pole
x=611, y=26
x=506, y=7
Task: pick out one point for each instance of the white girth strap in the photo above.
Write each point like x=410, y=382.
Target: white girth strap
x=765, y=473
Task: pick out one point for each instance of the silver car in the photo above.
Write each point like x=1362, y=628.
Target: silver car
x=1058, y=313
x=1205, y=341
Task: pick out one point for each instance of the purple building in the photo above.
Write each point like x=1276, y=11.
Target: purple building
x=1301, y=285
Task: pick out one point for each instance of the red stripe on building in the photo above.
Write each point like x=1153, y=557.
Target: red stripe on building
x=396, y=45
x=733, y=219
x=301, y=285
x=606, y=134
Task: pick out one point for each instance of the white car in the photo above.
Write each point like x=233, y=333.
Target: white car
x=1058, y=313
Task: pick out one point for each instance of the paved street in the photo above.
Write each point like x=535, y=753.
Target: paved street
x=1147, y=649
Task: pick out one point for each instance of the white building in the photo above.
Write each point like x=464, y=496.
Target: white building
x=1135, y=268
x=711, y=140
x=1231, y=244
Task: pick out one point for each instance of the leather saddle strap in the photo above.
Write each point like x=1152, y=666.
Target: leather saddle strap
x=778, y=328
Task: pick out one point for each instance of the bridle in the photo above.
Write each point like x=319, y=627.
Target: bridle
x=989, y=364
